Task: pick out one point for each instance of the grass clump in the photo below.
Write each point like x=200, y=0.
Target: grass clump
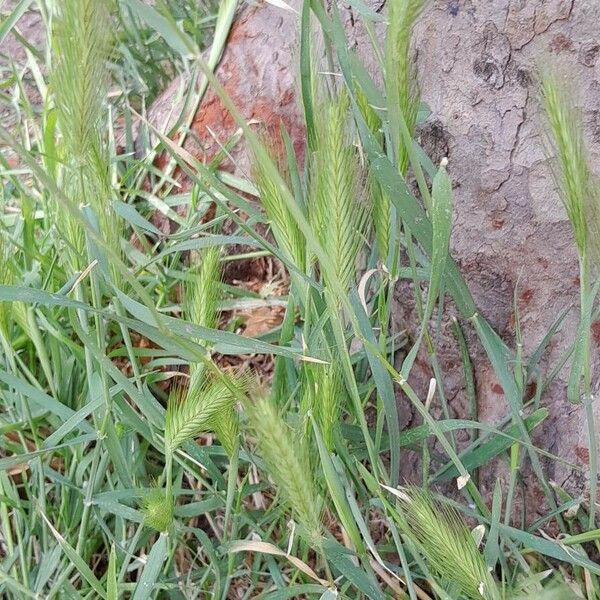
x=133, y=462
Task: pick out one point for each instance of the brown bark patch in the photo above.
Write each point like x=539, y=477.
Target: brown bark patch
x=561, y=43
x=582, y=453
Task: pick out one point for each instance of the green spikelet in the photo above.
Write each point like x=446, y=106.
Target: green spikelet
x=81, y=47
x=322, y=396
x=226, y=426
x=158, y=510
x=207, y=406
x=380, y=202
x=369, y=115
x=79, y=83
x=574, y=172
x=382, y=218
x=286, y=459
x=337, y=212
x=401, y=83
x=448, y=546
x=202, y=295
x=285, y=229
x=203, y=292
x=329, y=391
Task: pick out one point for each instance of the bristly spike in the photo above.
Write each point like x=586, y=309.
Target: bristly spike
x=448, y=546
x=206, y=406
x=203, y=290
x=158, y=510
x=283, y=225
x=338, y=214
x=573, y=173
x=401, y=81
x=380, y=201
x=82, y=40
x=286, y=458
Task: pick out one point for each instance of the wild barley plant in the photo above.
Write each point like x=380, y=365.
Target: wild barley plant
x=337, y=210
x=402, y=103
x=202, y=297
x=283, y=225
x=581, y=199
x=285, y=455
x=400, y=75
x=202, y=293
x=79, y=84
x=447, y=546
x=338, y=215
x=207, y=406
x=208, y=403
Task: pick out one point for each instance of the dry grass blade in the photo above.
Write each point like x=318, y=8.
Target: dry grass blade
x=254, y=546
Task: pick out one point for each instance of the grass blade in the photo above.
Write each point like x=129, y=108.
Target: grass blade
x=146, y=585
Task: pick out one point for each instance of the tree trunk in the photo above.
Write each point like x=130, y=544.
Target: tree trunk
x=477, y=63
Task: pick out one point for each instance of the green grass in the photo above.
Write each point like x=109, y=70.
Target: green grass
x=136, y=461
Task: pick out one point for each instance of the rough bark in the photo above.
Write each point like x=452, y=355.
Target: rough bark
x=257, y=70
x=477, y=64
